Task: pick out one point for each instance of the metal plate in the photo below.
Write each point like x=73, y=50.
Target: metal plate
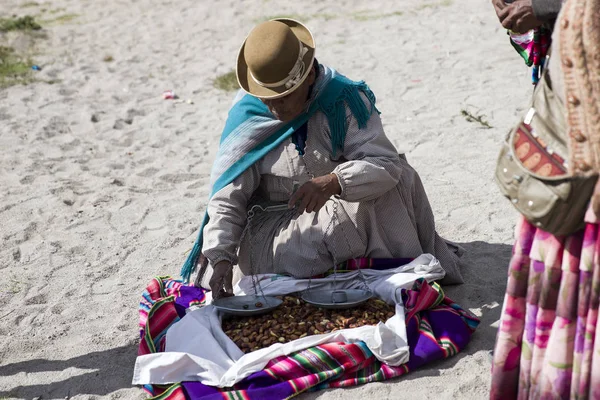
x=335, y=299
x=246, y=305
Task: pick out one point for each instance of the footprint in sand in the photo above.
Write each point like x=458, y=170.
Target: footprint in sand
x=196, y=185
x=67, y=91
x=16, y=253
x=4, y=115
x=132, y=112
x=23, y=235
x=57, y=309
x=19, y=319
x=56, y=126
x=148, y=172
x=178, y=178
x=26, y=180
x=122, y=123
x=126, y=140
x=36, y=300
x=116, y=166
x=154, y=224
x=72, y=145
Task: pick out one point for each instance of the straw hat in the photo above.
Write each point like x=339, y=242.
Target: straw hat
x=275, y=58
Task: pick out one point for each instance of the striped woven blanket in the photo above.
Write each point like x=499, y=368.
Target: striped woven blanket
x=436, y=328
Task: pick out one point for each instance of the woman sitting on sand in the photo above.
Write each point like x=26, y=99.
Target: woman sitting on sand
x=548, y=343
x=305, y=137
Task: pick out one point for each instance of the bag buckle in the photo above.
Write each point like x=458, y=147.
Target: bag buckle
x=529, y=116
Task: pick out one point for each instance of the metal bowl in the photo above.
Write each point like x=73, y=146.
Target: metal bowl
x=336, y=299
x=247, y=305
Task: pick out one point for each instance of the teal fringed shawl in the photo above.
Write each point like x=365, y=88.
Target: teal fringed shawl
x=251, y=132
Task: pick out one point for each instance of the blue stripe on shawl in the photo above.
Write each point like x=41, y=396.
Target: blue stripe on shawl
x=251, y=132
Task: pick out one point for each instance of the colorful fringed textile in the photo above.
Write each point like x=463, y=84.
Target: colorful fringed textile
x=356, y=264
x=436, y=328
x=372, y=263
x=548, y=343
x=533, y=47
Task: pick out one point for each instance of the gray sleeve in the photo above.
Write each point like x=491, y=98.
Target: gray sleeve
x=227, y=213
x=373, y=166
x=546, y=10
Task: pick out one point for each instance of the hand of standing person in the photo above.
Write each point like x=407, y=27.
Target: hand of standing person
x=517, y=16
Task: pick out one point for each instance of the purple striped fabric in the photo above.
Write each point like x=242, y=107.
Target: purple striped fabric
x=436, y=328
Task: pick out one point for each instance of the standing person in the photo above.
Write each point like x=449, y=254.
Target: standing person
x=548, y=343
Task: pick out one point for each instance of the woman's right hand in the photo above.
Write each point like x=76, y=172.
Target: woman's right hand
x=221, y=280
x=313, y=195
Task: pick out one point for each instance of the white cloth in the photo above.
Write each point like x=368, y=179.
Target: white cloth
x=209, y=356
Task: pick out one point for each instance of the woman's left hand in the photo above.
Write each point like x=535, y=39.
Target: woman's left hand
x=314, y=194
x=221, y=280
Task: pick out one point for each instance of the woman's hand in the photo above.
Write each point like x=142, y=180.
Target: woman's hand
x=517, y=16
x=221, y=280
x=314, y=194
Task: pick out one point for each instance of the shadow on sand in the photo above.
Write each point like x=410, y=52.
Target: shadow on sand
x=484, y=269
x=111, y=370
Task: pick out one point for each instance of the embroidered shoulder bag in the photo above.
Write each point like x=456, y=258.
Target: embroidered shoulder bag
x=532, y=172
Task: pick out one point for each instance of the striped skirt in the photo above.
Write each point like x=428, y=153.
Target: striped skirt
x=548, y=344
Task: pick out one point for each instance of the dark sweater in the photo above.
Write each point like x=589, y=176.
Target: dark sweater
x=546, y=10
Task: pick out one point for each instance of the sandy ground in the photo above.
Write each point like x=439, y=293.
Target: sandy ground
x=103, y=183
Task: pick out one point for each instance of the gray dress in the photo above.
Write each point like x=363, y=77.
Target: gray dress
x=382, y=211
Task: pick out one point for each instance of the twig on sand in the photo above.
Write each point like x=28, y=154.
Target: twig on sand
x=7, y=314
x=475, y=118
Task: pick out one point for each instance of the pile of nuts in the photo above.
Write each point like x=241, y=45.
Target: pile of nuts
x=295, y=319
